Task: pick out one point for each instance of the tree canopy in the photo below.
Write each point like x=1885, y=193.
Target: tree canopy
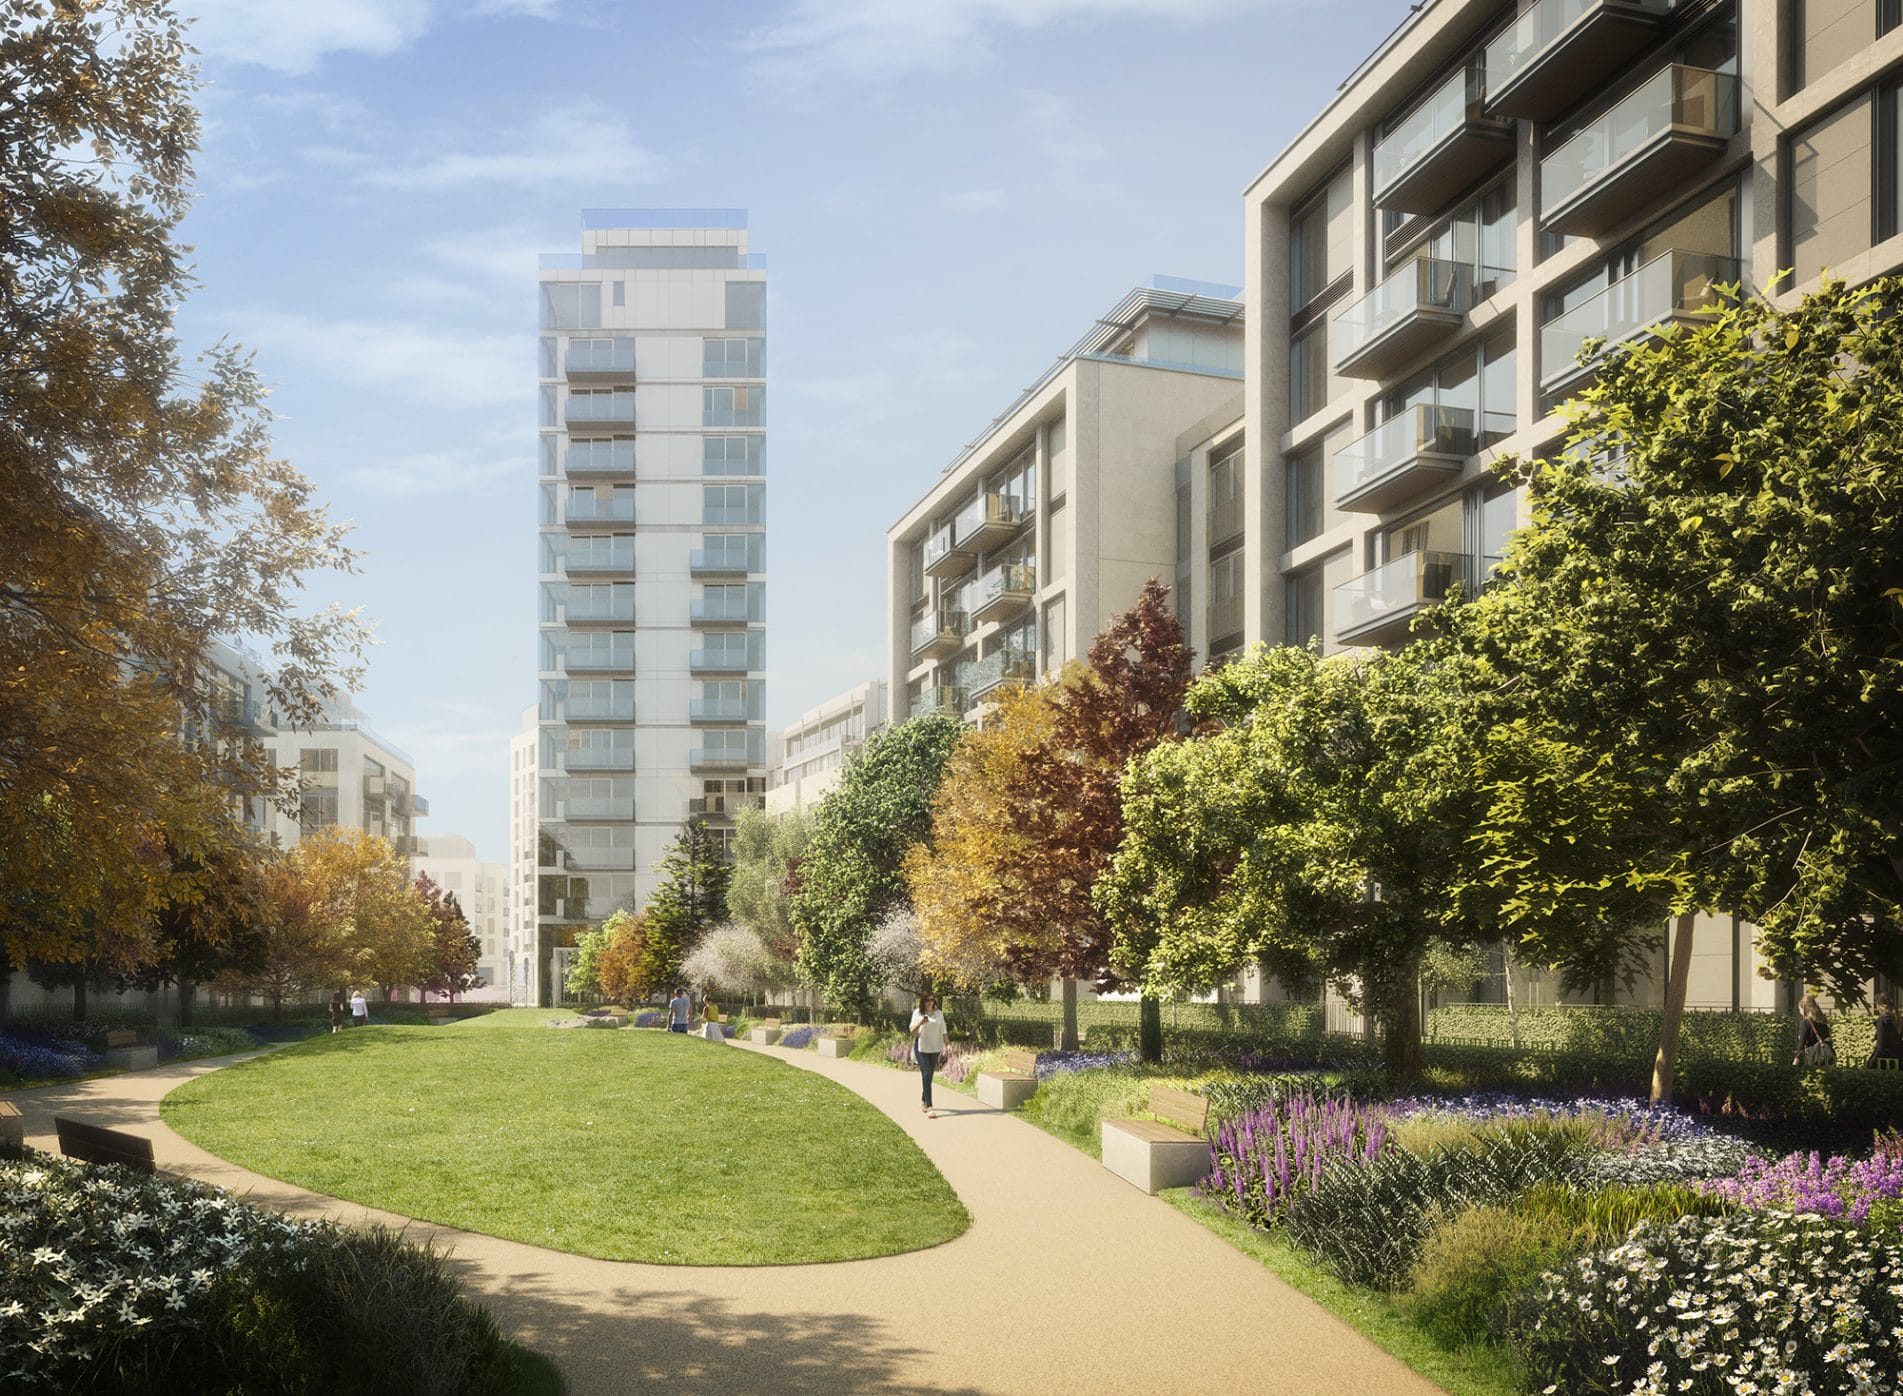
x=691, y=898
x=767, y=849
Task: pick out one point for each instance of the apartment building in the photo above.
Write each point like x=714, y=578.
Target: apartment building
x=1049, y=523
x=651, y=539
x=809, y=754
x=1496, y=185
x=349, y=775
x=480, y=888
x=520, y=978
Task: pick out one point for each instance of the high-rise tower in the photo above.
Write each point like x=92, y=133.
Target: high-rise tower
x=651, y=553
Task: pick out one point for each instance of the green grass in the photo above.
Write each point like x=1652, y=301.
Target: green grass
x=1469, y=1372
x=625, y=1145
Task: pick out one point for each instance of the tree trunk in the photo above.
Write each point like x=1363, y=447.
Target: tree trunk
x=1150, y=1029
x=1666, y=1063
x=1068, y=1041
x=79, y=999
x=1513, y=1003
x=186, y=989
x=1401, y=1047
x=277, y=1006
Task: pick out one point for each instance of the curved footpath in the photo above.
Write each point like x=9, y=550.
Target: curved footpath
x=1069, y=1279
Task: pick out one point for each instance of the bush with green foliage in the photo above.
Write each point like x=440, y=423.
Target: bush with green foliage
x=1475, y=1264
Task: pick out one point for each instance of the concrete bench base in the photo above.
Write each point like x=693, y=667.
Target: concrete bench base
x=12, y=1128
x=766, y=1037
x=131, y=1058
x=1005, y=1090
x=835, y=1046
x=1153, y=1156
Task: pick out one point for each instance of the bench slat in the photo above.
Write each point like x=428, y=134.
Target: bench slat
x=93, y=1144
x=1151, y=1131
x=1183, y=1108
x=1021, y=1061
x=119, y=1037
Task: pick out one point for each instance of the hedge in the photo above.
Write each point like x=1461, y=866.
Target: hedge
x=1631, y=1034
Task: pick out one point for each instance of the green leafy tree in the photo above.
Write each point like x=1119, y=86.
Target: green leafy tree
x=852, y=873
x=141, y=509
x=209, y=925
x=454, y=950
x=1697, y=641
x=584, y=966
x=691, y=898
x=767, y=849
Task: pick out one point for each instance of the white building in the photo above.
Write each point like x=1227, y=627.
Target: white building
x=480, y=888
x=521, y=979
x=350, y=777
x=652, y=551
x=808, y=754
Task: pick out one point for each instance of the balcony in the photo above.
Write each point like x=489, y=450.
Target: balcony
x=1422, y=447
x=944, y=556
x=719, y=562
x=587, y=561
x=722, y=807
x=943, y=698
x=717, y=759
x=1002, y=592
x=616, y=611
x=1674, y=288
x=421, y=804
x=589, y=808
x=1378, y=607
x=989, y=521
x=594, y=459
x=1678, y=121
x=939, y=633
x=614, y=709
x=1440, y=147
x=589, y=509
x=246, y=714
x=1415, y=309
x=1559, y=50
x=721, y=610
x=598, y=859
x=1005, y=666
x=717, y=709
x=599, y=360
x=1225, y=519
x=602, y=411
x=614, y=661
x=600, y=758
x=1225, y=617
x=720, y=661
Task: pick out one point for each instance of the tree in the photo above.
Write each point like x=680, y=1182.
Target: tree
x=304, y=941
x=1699, y=631
x=454, y=950
x=209, y=924
x=735, y=960
x=584, y=966
x=624, y=962
x=852, y=873
x=141, y=510
x=691, y=897
x=767, y=849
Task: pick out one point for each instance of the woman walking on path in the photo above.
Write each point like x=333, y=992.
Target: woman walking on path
x=928, y=1042
x=1889, y=1035
x=1813, y=1035
x=336, y=1010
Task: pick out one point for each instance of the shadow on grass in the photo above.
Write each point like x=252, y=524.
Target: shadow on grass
x=627, y=1338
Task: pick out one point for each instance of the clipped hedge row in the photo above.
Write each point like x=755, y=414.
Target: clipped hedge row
x=1632, y=1033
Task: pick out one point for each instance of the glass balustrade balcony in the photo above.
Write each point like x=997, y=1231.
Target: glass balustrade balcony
x=601, y=709
x=601, y=758
x=1225, y=616
x=718, y=562
x=721, y=610
x=1560, y=50
x=720, y=661
x=1379, y=607
x=1674, y=124
x=1674, y=288
x=592, y=458
x=586, y=560
x=989, y=521
x=717, y=710
x=939, y=633
x=588, y=807
x=717, y=759
x=590, y=509
x=619, y=610
x=981, y=676
x=942, y=698
x=1416, y=308
x=944, y=555
x=599, y=360
x=1440, y=147
x=1408, y=453
x=1225, y=519
x=1002, y=592
x=599, y=859
x=603, y=410
x=604, y=661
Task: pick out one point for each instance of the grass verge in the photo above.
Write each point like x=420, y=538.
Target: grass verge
x=624, y=1145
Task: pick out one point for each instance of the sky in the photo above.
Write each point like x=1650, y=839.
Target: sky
x=948, y=193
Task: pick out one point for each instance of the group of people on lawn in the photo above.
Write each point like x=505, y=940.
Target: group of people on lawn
x=1814, y=1047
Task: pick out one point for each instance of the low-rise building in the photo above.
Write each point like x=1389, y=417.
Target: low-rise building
x=809, y=754
x=481, y=889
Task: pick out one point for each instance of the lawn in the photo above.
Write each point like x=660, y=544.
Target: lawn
x=624, y=1145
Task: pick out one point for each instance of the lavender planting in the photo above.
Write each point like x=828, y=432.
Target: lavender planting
x=1260, y=1161
x=1838, y=1188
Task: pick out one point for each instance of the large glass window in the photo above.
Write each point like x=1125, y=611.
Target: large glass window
x=1303, y=604
x=1474, y=387
x=1478, y=236
x=1304, y=496
x=1308, y=371
x=732, y=455
x=731, y=407
x=1321, y=242
x=732, y=358
x=571, y=305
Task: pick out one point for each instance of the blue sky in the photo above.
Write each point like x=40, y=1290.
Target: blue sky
x=948, y=191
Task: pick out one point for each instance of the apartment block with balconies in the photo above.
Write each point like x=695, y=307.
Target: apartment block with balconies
x=349, y=776
x=652, y=556
x=1048, y=524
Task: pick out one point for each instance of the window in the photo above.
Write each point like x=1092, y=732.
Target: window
x=1225, y=598
x=732, y=455
x=731, y=407
x=315, y=758
x=620, y=292
x=1308, y=371
x=1479, y=236
x=1017, y=482
x=1321, y=242
x=746, y=305
x=1303, y=603
x=1474, y=390
x=732, y=504
x=1304, y=496
x=732, y=358
x=317, y=809
x=571, y=305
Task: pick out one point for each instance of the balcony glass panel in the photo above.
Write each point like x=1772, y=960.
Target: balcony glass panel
x=1670, y=285
x=935, y=626
x=600, y=457
x=1419, y=431
x=1424, y=284
x=989, y=512
x=1225, y=519
x=721, y=608
x=722, y=559
x=601, y=758
x=1692, y=100
x=1529, y=36
x=582, y=558
x=612, y=709
x=978, y=677
x=1442, y=114
x=605, y=608
x=600, y=661
x=717, y=709
x=1393, y=591
x=617, y=406
x=717, y=661
x=600, y=356
x=939, y=545
x=584, y=508
x=995, y=584
x=1225, y=616
x=944, y=698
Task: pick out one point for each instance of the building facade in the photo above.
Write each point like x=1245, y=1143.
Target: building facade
x=808, y=755
x=480, y=888
x=651, y=543
x=521, y=980
x=1048, y=525
x=349, y=776
x=1497, y=185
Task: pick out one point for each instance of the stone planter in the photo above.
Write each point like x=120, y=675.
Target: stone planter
x=835, y=1046
x=765, y=1037
x=131, y=1058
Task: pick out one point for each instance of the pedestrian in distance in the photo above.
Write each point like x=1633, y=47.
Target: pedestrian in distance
x=359, y=1010
x=1813, y=1035
x=1888, y=1053
x=928, y=1044
x=336, y=1010
x=679, y=1009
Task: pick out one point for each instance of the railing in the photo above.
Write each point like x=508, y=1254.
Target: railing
x=1000, y=580
x=617, y=406
x=586, y=509
x=718, y=759
x=719, y=560
x=1673, y=283
x=612, y=710
x=718, y=661
x=1426, y=283
x=717, y=709
x=610, y=808
x=1529, y=36
x=614, y=609
x=988, y=511
x=589, y=457
x=1225, y=519
x=598, y=661
x=727, y=514
x=619, y=559
x=1395, y=588
x=936, y=625
x=940, y=544
x=1454, y=102
x=942, y=698
x=980, y=676
x=1225, y=616
x=600, y=356
x=600, y=758
x=1675, y=96
x=1420, y=430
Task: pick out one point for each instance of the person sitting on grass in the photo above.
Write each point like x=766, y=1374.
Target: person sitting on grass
x=679, y=1009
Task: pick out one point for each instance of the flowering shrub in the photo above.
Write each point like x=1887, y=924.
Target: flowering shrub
x=797, y=1038
x=1260, y=1162
x=1051, y=1064
x=203, y=1042
x=1639, y=1119
x=1837, y=1188
x=1761, y=1302
x=954, y=1063
x=1671, y=1161
x=32, y=1054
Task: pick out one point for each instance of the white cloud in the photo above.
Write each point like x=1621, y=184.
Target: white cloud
x=504, y=255
x=885, y=39
x=292, y=36
x=420, y=369
x=584, y=140
x=974, y=200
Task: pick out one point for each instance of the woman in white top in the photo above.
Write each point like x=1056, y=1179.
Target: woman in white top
x=928, y=1041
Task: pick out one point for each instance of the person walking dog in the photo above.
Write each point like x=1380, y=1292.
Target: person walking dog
x=928, y=1044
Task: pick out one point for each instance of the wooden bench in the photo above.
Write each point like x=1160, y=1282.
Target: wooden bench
x=123, y=1052
x=767, y=1033
x=832, y=1044
x=1017, y=1083
x=436, y=1012
x=12, y=1128
x=92, y=1144
x=1154, y=1155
